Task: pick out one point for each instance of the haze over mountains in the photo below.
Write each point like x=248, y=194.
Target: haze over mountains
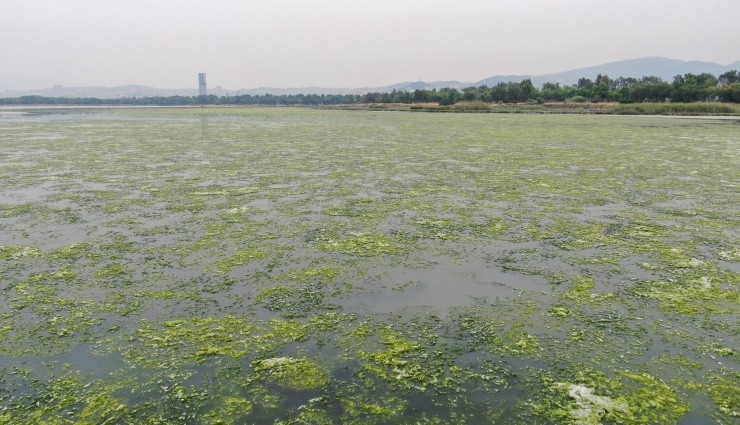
x=664, y=68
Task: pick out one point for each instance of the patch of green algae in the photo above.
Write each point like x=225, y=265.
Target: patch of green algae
x=439, y=228
x=323, y=274
x=17, y=252
x=504, y=337
x=582, y=292
x=698, y=288
x=70, y=400
x=200, y=339
x=725, y=392
x=240, y=258
x=231, y=411
x=113, y=271
x=395, y=364
x=591, y=398
x=71, y=253
x=292, y=301
x=298, y=374
x=362, y=245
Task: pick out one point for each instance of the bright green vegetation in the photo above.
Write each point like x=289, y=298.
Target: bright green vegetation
x=297, y=374
x=676, y=109
x=630, y=397
x=571, y=106
x=361, y=244
x=16, y=252
x=293, y=266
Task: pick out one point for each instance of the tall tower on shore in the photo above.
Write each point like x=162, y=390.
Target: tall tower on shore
x=202, y=89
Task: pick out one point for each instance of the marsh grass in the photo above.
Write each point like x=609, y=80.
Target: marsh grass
x=677, y=109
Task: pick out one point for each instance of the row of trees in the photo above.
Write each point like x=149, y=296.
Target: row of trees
x=267, y=99
x=683, y=88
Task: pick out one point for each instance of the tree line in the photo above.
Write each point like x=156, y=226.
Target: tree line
x=683, y=88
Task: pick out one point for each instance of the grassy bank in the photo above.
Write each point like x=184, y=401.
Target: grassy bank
x=677, y=109
x=560, y=108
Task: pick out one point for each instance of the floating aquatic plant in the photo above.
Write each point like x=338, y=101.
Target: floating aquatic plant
x=420, y=264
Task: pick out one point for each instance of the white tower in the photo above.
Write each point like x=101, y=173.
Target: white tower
x=202, y=89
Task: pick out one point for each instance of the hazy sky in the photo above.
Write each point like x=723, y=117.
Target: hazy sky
x=344, y=43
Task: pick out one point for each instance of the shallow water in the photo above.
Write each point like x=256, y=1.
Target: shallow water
x=305, y=266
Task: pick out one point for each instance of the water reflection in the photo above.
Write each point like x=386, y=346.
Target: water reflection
x=204, y=125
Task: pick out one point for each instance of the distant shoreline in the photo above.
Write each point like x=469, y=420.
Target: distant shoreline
x=643, y=109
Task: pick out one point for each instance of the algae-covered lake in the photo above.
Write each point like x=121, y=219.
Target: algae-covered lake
x=298, y=266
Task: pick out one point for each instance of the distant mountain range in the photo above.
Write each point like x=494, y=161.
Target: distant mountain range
x=664, y=68
x=653, y=66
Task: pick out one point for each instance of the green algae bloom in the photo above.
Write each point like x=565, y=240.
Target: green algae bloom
x=300, y=374
x=362, y=245
x=296, y=265
x=16, y=252
x=239, y=259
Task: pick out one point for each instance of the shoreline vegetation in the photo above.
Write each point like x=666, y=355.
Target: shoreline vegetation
x=688, y=94
x=698, y=109
x=682, y=109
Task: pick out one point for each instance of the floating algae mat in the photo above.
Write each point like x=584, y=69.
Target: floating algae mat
x=296, y=266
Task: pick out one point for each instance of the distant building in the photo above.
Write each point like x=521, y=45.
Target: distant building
x=202, y=89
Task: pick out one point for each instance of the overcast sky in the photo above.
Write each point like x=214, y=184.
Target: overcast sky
x=344, y=43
